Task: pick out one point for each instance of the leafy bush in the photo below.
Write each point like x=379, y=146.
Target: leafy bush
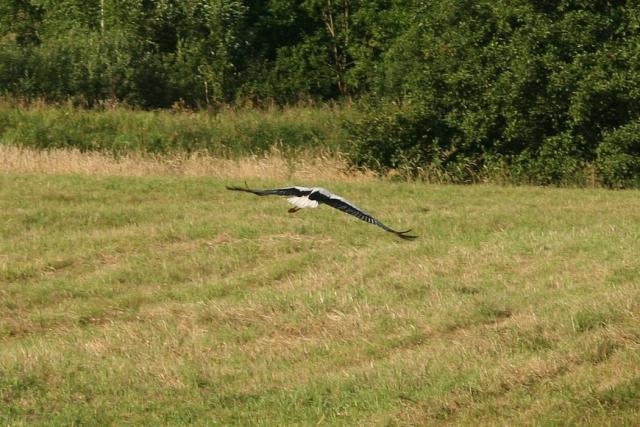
x=408, y=140
x=556, y=161
x=478, y=84
x=618, y=157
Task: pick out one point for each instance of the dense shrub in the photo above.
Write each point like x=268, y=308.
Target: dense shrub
x=618, y=157
x=532, y=88
x=148, y=54
x=405, y=138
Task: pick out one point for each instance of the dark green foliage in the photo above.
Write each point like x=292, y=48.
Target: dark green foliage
x=406, y=138
x=618, y=156
x=200, y=52
x=150, y=54
x=556, y=161
x=519, y=86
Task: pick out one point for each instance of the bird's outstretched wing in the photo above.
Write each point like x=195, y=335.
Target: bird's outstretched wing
x=286, y=191
x=346, y=206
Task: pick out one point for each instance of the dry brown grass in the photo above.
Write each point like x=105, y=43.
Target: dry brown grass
x=275, y=166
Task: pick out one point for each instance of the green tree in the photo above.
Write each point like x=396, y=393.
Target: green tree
x=526, y=84
x=20, y=21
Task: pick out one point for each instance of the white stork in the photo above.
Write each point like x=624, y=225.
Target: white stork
x=311, y=197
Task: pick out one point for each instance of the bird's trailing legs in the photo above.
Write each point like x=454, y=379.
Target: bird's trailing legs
x=294, y=210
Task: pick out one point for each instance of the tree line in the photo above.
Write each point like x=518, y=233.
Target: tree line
x=153, y=53
x=546, y=91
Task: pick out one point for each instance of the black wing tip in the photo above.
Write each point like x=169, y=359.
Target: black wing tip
x=245, y=189
x=236, y=188
x=404, y=235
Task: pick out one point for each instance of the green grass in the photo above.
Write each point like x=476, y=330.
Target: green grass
x=228, y=132
x=167, y=300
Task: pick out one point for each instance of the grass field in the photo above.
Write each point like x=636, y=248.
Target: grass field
x=166, y=299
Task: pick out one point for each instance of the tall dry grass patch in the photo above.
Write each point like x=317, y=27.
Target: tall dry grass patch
x=273, y=165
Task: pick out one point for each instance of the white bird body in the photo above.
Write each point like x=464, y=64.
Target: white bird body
x=311, y=197
x=303, y=202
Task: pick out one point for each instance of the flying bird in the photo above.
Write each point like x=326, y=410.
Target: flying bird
x=311, y=197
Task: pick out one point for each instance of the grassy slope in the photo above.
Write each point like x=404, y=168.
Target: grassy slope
x=147, y=300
